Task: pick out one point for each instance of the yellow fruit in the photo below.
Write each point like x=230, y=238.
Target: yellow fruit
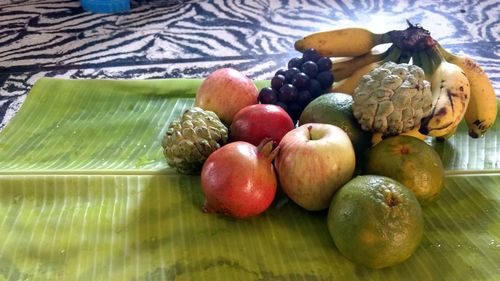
x=378, y=137
x=375, y=221
x=344, y=42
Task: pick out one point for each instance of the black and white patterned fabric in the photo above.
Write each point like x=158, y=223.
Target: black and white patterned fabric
x=176, y=38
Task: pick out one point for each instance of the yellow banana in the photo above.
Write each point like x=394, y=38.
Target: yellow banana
x=345, y=68
x=451, y=94
x=448, y=135
x=350, y=83
x=481, y=112
x=344, y=42
x=378, y=137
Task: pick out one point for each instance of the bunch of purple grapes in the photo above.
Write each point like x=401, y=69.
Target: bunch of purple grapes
x=306, y=78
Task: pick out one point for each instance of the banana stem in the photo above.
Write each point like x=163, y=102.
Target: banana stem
x=412, y=39
x=405, y=57
x=393, y=55
x=425, y=64
x=446, y=55
x=416, y=59
x=381, y=38
x=435, y=56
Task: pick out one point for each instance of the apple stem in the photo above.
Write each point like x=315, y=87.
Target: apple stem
x=309, y=129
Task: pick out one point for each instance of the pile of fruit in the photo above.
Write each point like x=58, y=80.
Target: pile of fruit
x=345, y=135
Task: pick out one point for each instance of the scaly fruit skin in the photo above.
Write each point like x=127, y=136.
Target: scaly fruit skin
x=451, y=95
x=192, y=138
x=345, y=68
x=481, y=112
x=344, y=42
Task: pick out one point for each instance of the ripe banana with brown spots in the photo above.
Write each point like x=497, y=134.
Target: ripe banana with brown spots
x=451, y=94
x=481, y=112
x=344, y=42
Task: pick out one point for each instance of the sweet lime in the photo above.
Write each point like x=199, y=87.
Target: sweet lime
x=410, y=161
x=336, y=109
x=375, y=221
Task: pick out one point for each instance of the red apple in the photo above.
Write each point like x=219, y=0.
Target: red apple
x=314, y=160
x=226, y=91
x=256, y=122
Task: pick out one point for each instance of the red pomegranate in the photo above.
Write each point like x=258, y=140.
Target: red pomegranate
x=238, y=179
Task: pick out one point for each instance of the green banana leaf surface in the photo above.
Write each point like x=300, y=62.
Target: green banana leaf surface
x=86, y=194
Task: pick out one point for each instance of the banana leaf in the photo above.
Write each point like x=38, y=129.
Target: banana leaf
x=85, y=194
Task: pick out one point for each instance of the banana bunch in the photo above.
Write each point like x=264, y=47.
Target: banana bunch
x=461, y=89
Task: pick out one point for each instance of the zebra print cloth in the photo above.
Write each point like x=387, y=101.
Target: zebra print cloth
x=176, y=38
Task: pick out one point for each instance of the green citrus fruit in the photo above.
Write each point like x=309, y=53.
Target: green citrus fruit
x=410, y=161
x=375, y=221
x=336, y=109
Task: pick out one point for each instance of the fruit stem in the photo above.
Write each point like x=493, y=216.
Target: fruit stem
x=382, y=38
x=416, y=59
x=266, y=149
x=405, y=57
x=435, y=57
x=413, y=39
x=393, y=55
x=446, y=55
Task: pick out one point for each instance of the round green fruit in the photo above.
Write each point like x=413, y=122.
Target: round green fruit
x=375, y=221
x=336, y=109
x=410, y=161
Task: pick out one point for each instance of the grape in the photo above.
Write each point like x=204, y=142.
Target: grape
x=304, y=98
x=310, y=68
x=295, y=62
x=278, y=81
x=280, y=72
x=324, y=63
x=294, y=109
x=306, y=78
x=268, y=95
x=325, y=78
x=311, y=54
x=300, y=80
x=288, y=93
x=282, y=105
x=290, y=73
x=314, y=87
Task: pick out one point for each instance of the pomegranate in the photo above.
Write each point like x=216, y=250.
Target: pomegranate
x=256, y=122
x=238, y=179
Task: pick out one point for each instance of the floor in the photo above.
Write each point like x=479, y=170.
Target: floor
x=176, y=38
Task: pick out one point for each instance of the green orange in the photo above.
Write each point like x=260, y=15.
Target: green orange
x=375, y=221
x=410, y=161
x=336, y=109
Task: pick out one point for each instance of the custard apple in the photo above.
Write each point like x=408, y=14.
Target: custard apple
x=189, y=141
x=392, y=99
